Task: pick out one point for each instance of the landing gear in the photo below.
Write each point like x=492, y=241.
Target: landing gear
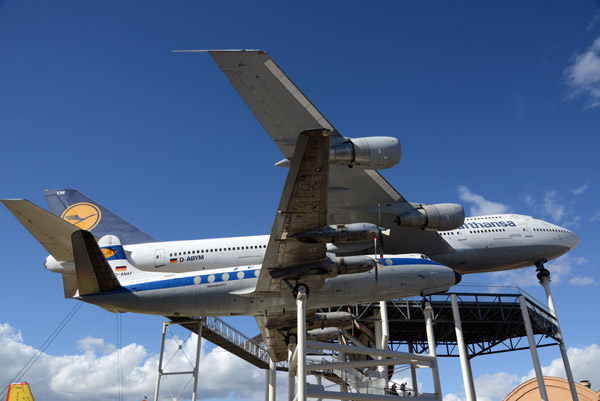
x=542, y=271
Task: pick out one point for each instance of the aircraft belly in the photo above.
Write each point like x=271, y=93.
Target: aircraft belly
x=504, y=256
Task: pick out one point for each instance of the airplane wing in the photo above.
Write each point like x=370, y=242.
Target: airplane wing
x=284, y=111
x=303, y=207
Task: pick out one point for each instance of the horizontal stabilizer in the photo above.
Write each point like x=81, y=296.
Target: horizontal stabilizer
x=51, y=231
x=91, y=268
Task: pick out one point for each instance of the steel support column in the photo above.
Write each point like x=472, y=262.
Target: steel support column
x=272, y=372
x=413, y=371
x=545, y=282
x=437, y=386
x=532, y=348
x=462, y=350
x=197, y=367
x=301, y=349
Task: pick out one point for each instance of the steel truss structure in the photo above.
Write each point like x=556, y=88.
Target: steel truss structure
x=491, y=321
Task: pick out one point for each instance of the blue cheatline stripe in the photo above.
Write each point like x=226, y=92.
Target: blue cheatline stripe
x=407, y=261
x=248, y=274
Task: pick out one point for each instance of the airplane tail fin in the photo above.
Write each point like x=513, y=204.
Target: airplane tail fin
x=19, y=392
x=92, y=270
x=102, y=266
x=87, y=214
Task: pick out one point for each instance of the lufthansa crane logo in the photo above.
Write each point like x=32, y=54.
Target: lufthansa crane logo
x=84, y=215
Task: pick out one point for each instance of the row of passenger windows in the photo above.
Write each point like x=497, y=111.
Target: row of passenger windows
x=494, y=230
x=202, y=251
x=483, y=218
x=553, y=230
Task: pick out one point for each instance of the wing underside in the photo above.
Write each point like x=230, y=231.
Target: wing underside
x=284, y=112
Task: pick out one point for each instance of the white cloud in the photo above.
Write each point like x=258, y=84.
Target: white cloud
x=91, y=344
x=582, y=281
x=583, y=75
x=94, y=371
x=530, y=201
x=453, y=397
x=594, y=21
x=491, y=387
x=481, y=206
x=585, y=365
x=553, y=207
x=595, y=217
x=581, y=189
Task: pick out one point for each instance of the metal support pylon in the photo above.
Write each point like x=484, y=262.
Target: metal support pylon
x=195, y=366
x=301, y=348
x=544, y=277
x=532, y=348
x=462, y=350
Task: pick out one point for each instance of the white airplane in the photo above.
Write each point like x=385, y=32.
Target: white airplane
x=358, y=194
x=361, y=194
x=103, y=272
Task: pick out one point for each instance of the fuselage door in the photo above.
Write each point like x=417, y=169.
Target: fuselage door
x=526, y=230
x=159, y=258
x=461, y=236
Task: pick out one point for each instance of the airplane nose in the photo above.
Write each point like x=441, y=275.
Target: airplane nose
x=574, y=241
x=457, y=278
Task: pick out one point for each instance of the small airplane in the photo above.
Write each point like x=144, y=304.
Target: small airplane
x=103, y=272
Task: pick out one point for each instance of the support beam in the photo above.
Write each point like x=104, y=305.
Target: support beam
x=413, y=358
x=532, y=348
x=272, y=380
x=291, y=376
x=413, y=371
x=301, y=349
x=160, y=360
x=545, y=282
x=333, y=395
x=432, y=353
x=342, y=358
x=197, y=367
x=462, y=350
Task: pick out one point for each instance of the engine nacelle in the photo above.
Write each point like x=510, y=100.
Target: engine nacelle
x=352, y=265
x=329, y=267
x=321, y=320
x=59, y=267
x=376, y=152
x=437, y=217
x=341, y=233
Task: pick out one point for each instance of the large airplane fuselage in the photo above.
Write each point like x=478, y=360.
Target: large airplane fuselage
x=503, y=242
x=229, y=291
x=482, y=244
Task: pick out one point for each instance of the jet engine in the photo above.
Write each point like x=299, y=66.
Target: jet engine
x=329, y=267
x=376, y=152
x=341, y=233
x=436, y=217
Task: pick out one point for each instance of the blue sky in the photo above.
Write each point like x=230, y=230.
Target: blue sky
x=496, y=105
